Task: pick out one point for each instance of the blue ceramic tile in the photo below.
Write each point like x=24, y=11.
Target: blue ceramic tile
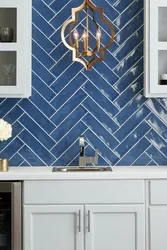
x=7, y=105
x=156, y=155
x=106, y=73
x=135, y=39
x=42, y=40
x=43, y=9
x=100, y=115
x=135, y=152
x=37, y=147
x=68, y=123
x=42, y=104
x=152, y=163
x=129, y=61
x=58, y=5
x=98, y=129
x=132, y=123
x=133, y=138
x=100, y=98
x=66, y=93
x=34, y=129
x=158, y=125
x=131, y=27
x=130, y=108
x=40, y=22
x=68, y=107
x=59, y=51
x=30, y=157
x=133, y=89
x=40, y=70
x=11, y=149
x=130, y=76
x=42, y=88
x=143, y=160
x=13, y=114
x=62, y=65
x=157, y=141
x=129, y=13
x=42, y=56
x=37, y=116
x=67, y=76
x=68, y=156
x=103, y=86
x=16, y=160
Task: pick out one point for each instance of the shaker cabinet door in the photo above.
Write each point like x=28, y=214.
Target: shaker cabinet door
x=53, y=227
x=115, y=227
x=158, y=228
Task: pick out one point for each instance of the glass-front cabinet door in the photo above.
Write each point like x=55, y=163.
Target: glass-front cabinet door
x=15, y=48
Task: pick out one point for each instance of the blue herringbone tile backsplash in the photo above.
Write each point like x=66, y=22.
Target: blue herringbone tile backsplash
x=105, y=104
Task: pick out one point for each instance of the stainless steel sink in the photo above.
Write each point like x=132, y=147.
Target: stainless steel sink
x=81, y=169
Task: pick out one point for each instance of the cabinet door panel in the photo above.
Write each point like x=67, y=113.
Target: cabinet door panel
x=53, y=227
x=115, y=227
x=158, y=228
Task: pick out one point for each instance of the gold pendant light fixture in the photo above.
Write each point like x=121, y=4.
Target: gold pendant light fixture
x=80, y=43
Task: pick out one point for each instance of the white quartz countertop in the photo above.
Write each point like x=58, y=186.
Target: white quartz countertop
x=45, y=173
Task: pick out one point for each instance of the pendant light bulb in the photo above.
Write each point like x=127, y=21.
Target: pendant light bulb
x=98, y=33
x=75, y=34
x=84, y=35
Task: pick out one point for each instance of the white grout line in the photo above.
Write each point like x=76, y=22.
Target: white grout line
x=69, y=114
x=100, y=139
x=66, y=85
x=44, y=67
x=70, y=129
x=110, y=132
x=32, y=151
x=44, y=50
x=37, y=124
x=44, y=99
x=44, y=82
x=132, y=148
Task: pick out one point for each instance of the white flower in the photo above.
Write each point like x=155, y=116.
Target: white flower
x=5, y=130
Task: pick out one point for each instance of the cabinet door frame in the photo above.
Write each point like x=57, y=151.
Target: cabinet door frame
x=30, y=210
x=138, y=210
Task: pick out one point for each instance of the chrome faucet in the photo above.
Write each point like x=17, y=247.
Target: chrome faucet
x=83, y=160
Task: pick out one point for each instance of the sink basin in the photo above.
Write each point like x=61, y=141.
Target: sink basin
x=81, y=169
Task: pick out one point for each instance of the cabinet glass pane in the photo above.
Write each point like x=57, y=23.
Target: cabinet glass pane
x=162, y=29
x=7, y=68
x=8, y=24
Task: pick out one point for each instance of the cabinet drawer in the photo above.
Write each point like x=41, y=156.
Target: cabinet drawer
x=84, y=192
x=158, y=192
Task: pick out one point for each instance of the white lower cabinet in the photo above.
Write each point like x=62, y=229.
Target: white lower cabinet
x=113, y=227
x=102, y=220
x=158, y=228
x=63, y=227
x=53, y=227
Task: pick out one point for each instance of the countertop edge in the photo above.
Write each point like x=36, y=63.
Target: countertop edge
x=119, y=173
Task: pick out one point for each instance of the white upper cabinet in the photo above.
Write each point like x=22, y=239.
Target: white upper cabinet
x=155, y=48
x=15, y=48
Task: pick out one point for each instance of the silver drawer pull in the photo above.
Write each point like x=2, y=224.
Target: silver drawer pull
x=79, y=221
x=89, y=221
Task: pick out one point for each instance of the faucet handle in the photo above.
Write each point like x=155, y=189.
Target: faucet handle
x=95, y=159
x=81, y=141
